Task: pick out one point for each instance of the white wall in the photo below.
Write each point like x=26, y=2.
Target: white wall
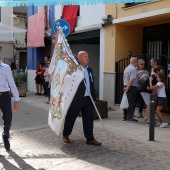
x=31, y=80
x=6, y=50
x=58, y=11
x=6, y=18
x=89, y=14
x=109, y=88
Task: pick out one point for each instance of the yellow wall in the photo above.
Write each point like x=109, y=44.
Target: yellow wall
x=118, y=10
x=118, y=41
x=159, y=22
x=128, y=38
x=109, y=59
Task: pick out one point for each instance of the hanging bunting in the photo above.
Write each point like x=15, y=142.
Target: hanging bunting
x=17, y=3
x=10, y=29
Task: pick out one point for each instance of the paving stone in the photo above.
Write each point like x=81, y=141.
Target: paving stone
x=41, y=149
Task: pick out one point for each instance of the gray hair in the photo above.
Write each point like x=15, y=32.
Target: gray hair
x=133, y=59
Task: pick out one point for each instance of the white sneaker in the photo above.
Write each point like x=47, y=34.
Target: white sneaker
x=158, y=124
x=163, y=125
x=145, y=118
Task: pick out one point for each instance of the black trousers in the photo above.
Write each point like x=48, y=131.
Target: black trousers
x=5, y=106
x=48, y=89
x=139, y=100
x=44, y=87
x=131, y=95
x=83, y=104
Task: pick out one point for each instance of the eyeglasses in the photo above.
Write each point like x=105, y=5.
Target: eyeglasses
x=142, y=64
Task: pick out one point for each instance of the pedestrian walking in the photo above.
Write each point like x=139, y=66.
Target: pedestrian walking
x=130, y=87
x=146, y=92
x=6, y=84
x=154, y=62
x=162, y=100
x=83, y=103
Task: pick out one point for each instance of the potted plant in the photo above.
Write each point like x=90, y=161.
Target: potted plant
x=20, y=81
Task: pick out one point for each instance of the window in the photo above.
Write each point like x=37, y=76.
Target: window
x=133, y=4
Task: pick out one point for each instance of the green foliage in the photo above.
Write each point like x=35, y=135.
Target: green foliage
x=19, y=76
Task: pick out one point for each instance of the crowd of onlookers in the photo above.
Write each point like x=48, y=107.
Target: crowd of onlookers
x=139, y=83
x=42, y=79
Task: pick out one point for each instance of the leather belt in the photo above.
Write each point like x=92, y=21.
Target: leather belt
x=4, y=92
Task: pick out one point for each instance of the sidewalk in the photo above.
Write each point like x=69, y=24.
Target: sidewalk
x=126, y=147
x=114, y=123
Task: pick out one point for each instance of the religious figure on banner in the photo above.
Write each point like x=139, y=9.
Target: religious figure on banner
x=66, y=77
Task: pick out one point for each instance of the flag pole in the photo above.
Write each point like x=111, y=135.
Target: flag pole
x=95, y=108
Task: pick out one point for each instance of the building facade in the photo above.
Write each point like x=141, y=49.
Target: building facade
x=138, y=29
x=6, y=42
x=111, y=33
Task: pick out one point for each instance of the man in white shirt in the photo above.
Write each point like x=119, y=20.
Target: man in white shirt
x=130, y=87
x=6, y=84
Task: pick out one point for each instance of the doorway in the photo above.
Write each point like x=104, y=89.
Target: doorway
x=23, y=60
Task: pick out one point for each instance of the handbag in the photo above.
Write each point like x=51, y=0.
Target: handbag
x=124, y=102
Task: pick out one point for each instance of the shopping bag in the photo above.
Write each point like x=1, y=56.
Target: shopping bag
x=124, y=103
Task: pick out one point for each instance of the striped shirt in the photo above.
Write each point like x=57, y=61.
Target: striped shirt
x=129, y=73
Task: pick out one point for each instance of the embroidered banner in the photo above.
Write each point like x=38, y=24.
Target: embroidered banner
x=36, y=27
x=66, y=77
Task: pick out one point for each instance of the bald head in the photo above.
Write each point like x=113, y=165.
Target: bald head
x=134, y=61
x=83, y=58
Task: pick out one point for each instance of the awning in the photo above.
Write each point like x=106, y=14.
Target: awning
x=70, y=13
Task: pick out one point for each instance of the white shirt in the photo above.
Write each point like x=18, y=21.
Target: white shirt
x=130, y=72
x=7, y=80
x=47, y=75
x=161, y=92
x=86, y=75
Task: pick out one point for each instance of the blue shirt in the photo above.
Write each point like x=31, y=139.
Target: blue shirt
x=7, y=81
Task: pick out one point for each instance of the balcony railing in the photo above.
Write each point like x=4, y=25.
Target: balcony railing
x=127, y=5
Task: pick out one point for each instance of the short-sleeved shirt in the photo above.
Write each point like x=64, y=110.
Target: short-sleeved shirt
x=161, y=92
x=130, y=72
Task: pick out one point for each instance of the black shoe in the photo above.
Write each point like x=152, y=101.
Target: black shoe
x=132, y=120
x=39, y=94
x=36, y=93
x=66, y=139
x=6, y=143
x=124, y=119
